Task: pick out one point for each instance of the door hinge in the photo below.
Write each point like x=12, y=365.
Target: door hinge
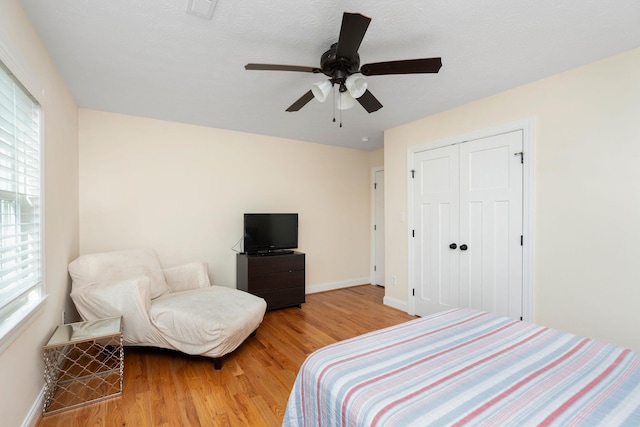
x=521, y=154
x=374, y=268
x=375, y=227
x=521, y=319
x=413, y=293
x=413, y=173
x=375, y=185
x=413, y=233
x=521, y=240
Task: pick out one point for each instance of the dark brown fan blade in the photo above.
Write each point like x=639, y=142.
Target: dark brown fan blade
x=369, y=102
x=279, y=67
x=301, y=102
x=407, y=66
x=354, y=25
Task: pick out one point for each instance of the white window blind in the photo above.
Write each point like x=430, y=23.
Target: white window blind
x=20, y=227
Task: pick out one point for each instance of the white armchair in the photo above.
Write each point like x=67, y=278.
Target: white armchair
x=176, y=308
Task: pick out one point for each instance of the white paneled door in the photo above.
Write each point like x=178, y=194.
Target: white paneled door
x=378, y=228
x=467, y=205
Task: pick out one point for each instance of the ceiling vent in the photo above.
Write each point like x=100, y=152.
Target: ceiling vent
x=201, y=8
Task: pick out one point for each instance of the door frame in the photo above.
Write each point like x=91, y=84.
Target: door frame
x=527, y=128
x=372, y=262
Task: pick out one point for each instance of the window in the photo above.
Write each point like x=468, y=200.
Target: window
x=21, y=289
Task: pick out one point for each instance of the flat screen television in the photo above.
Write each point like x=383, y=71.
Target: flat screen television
x=270, y=232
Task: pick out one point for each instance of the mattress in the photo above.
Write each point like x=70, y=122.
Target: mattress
x=466, y=367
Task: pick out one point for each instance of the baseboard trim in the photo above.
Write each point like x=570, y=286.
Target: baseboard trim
x=396, y=303
x=323, y=287
x=36, y=409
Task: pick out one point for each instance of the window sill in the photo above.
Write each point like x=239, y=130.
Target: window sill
x=16, y=324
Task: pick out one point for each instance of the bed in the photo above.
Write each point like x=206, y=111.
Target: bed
x=466, y=367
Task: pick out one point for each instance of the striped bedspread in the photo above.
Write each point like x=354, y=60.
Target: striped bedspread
x=465, y=367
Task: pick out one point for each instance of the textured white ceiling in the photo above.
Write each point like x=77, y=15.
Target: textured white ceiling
x=150, y=58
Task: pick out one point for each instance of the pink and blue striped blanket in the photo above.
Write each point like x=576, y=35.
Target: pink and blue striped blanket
x=466, y=367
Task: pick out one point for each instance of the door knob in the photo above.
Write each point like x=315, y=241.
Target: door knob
x=453, y=246
x=463, y=247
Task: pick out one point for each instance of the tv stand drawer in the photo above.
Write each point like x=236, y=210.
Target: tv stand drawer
x=281, y=298
x=279, y=280
x=262, y=264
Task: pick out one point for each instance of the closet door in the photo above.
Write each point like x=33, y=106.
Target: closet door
x=436, y=210
x=491, y=224
x=378, y=233
x=468, y=226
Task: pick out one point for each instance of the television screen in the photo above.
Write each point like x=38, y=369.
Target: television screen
x=270, y=232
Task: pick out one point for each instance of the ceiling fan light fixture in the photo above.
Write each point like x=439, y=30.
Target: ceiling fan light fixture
x=345, y=101
x=356, y=85
x=321, y=90
x=342, y=61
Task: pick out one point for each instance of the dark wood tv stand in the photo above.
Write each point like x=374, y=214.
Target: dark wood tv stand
x=279, y=278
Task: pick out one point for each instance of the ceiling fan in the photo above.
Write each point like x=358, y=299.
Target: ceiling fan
x=341, y=63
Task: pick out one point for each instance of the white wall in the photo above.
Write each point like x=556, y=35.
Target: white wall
x=21, y=367
x=587, y=193
x=376, y=158
x=182, y=189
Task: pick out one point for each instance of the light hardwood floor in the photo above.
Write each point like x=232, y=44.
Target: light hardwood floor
x=164, y=388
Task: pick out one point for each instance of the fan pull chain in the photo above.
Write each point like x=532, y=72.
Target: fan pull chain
x=334, y=105
x=333, y=102
x=339, y=107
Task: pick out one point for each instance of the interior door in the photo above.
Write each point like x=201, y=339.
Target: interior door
x=467, y=205
x=378, y=228
x=436, y=210
x=491, y=224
